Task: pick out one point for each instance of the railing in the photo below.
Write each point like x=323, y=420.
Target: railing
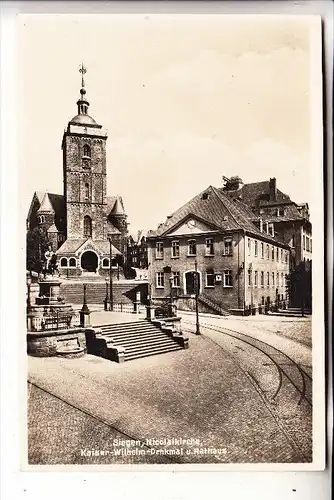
x=126, y=308
x=215, y=306
x=59, y=321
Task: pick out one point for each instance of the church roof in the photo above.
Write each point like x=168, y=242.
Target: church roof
x=52, y=229
x=118, y=208
x=46, y=204
x=72, y=246
x=83, y=120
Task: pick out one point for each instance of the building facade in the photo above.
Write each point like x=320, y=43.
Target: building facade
x=85, y=227
x=289, y=221
x=238, y=265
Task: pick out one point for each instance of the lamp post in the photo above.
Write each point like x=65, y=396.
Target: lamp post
x=110, y=276
x=196, y=283
x=171, y=297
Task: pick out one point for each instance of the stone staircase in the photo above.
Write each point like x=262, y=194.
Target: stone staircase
x=123, y=293
x=127, y=341
x=214, y=306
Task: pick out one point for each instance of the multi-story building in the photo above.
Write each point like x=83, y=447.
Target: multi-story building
x=289, y=222
x=80, y=222
x=137, y=250
x=237, y=264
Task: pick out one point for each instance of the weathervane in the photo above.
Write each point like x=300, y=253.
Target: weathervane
x=83, y=71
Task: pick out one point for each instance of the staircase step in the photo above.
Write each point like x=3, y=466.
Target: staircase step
x=143, y=354
x=149, y=345
x=138, y=338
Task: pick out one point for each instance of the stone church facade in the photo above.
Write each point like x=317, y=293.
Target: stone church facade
x=84, y=225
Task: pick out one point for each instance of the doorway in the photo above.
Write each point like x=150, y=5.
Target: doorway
x=89, y=261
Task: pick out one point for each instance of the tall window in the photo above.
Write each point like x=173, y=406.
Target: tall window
x=87, y=226
x=159, y=250
x=191, y=247
x=227, y=278
x=87, y=195
x=175, y=248
x=249, y=246
x=255, y=248
x=272, y=253
x=210, y=277
x=268, y=279
x=277, y=280
x=228, y=246
x=255, y=278
x=277, y=254
x=304, y=246
x=262, y=250
x=273, y=279
x=176, y=279
x=281, y=254
x=262, y=278
x=249, y=277
x=159, y=280
x=268, y=252
x=293, y=241
x=282, y=279
x=209, y=247
x=286, y=257
x=86, y=151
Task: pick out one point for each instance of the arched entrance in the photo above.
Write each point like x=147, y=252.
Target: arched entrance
x=190, y=282
x=89, y=261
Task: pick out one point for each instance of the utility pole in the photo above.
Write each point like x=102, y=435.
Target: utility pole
x=196, y=283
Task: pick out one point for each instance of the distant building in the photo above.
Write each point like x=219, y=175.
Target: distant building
x=289, y=221
x=80, y=221
x=238, y=263
x=137, y=250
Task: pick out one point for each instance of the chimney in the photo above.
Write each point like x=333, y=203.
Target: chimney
x=272, y=189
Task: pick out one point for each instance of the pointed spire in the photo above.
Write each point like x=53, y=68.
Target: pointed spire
x=82, y=103
x=118, y=208
x=46, y=204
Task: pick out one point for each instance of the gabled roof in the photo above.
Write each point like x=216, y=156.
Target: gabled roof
x=256, y=191
x=217, y=209
x=73, y=246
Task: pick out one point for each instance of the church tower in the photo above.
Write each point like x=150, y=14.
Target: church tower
x=84, y=173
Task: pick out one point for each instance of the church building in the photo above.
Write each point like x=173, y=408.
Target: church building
x=84, y=225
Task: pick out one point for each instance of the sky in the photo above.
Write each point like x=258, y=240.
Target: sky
x=185, y=99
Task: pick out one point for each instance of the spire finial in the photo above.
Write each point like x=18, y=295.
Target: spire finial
x=83, y=71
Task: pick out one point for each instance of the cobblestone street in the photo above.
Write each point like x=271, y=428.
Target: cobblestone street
x=200, y=394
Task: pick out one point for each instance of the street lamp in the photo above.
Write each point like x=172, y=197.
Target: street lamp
x=110, y=276
x=196, y=283
x=171, y=297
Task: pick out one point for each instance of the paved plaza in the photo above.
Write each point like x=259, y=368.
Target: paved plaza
x=198, y=396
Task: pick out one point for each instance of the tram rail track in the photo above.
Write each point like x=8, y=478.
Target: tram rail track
x=303, y=386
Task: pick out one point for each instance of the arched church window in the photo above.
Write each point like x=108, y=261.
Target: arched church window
x=41, y=219
x=63, y=262
x=105, y=263
x=86, y=151
x=87, y=226
x=87, y=191
x=72, y=262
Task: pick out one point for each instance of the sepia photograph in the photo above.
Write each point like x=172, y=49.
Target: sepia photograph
x=172, y=196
